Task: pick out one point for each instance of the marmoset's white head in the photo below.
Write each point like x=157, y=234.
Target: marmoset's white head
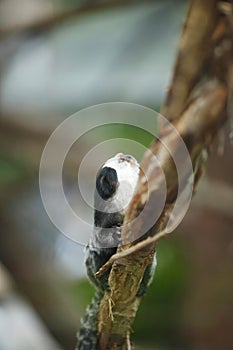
x=117, y=180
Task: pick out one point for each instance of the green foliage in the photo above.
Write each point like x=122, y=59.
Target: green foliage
x=11, y=170
x=130, y=132
x=124, y=131
x=83, y=292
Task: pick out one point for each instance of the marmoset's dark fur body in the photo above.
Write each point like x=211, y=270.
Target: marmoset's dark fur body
x=115, y=185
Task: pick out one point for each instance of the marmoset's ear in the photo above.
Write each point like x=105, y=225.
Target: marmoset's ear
x=106, y=182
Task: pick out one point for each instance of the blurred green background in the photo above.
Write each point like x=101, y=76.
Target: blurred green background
x=57, y=57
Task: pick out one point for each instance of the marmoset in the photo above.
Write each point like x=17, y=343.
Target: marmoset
x=115, y=185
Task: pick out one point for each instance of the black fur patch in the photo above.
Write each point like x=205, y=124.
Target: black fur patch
x=106, y=182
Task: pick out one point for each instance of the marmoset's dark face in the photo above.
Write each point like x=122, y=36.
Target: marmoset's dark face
x=106, y=182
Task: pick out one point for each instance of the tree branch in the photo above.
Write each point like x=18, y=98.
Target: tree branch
x=197, y=125
x=50, y=21
x=194, y=51
x=196, y=103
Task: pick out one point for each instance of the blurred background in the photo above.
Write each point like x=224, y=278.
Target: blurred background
x=57, y=57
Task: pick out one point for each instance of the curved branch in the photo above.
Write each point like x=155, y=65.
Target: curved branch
x=197, y=125
x=197, y=107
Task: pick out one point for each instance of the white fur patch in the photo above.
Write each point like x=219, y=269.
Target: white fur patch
x=127, y=173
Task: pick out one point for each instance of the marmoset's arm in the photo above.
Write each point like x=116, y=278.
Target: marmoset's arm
x=115, y=185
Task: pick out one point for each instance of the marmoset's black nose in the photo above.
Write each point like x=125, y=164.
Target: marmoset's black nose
x=106, y=182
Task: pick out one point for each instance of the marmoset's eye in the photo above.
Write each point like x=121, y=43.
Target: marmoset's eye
x=128, y=158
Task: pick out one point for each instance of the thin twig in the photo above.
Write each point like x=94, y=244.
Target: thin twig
x=130, y=250
x=52, y=20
